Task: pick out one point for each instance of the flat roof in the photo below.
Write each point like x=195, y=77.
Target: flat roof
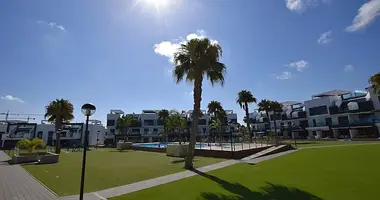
x=331, y=93
x=289, y=103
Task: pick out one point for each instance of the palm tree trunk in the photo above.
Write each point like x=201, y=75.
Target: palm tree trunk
x=196, y=114
x=58, y=125
x=248, y=120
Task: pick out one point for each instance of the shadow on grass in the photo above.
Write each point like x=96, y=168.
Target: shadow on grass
x=268, y=192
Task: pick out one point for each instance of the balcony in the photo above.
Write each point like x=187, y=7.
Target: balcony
x=364, y=106
x=367, y=121
x=294, y=115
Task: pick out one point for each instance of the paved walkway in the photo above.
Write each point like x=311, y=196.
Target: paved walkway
x=17, y=184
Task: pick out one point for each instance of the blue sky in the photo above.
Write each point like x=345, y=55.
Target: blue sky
x=116, y=54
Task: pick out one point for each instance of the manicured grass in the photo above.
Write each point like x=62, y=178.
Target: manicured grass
x=350, y=173
x=107, y=168
x=310, y=143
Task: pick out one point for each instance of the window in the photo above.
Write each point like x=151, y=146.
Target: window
x=343, y=120
x=314, y=123
x=39, y=134
x=112, y=131
x=320, y=110
x=204, y=130
x=146, y=129
x=304, y=124
x=328, y=121
x=275, y=117
x=110, y=122
x=148, y=122
x=160, y=122
x=155, y=130
x=233, y=121
x=50, y=134
x=202, y=122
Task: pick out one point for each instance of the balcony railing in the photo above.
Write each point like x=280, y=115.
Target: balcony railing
x=299, y=115
x=363, y=107
x=368, y=121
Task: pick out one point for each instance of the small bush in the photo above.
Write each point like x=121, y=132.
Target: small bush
x=30, y=145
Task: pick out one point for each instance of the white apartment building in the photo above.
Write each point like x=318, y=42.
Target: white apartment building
x=151, y=125
x=11, y=131
x=333, y=114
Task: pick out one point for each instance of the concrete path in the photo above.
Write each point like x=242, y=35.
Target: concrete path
x=17, y=184
x=268, y=157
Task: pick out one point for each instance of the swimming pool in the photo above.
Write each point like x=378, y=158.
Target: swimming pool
x=164, y=145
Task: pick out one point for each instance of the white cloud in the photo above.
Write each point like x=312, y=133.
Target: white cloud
x=168, y=48
x=12, y=98
x=301, y=6
x=52, y=25
x=366, y=14
x=349, y=68
x=284, y=76
x=299, y=65
x=325, y=38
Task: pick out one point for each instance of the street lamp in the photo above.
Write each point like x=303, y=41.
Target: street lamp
x=88, y=110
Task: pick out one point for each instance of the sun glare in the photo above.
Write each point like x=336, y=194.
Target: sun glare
x=157, y=4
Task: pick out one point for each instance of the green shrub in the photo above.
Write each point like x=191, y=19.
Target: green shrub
x=31, y=144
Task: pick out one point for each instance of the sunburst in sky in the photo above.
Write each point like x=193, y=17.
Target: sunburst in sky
x=159, y=5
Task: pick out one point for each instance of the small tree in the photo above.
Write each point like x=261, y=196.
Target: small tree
x=375, y=82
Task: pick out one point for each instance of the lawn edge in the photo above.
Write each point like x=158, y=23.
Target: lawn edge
x=35, y=178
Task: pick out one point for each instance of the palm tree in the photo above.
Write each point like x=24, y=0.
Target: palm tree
x=194, y=61
x=57, y=112
x=216, y=124
x=216, y=110
x=375, y=82
x=214, y=107
x=123, y=124
x=265, y=105
x=244, y=98
x=163, y=115
x=175, y=123
x=276, y=107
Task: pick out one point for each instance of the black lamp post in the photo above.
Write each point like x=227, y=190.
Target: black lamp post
x=88, y=110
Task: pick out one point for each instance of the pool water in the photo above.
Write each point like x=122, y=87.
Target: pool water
x=164, y=145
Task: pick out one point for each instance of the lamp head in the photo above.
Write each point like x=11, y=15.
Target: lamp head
x=88, y=109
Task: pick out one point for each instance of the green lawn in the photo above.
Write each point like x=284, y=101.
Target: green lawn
x=107, y=168
x=350, y=172
x=310, y=143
